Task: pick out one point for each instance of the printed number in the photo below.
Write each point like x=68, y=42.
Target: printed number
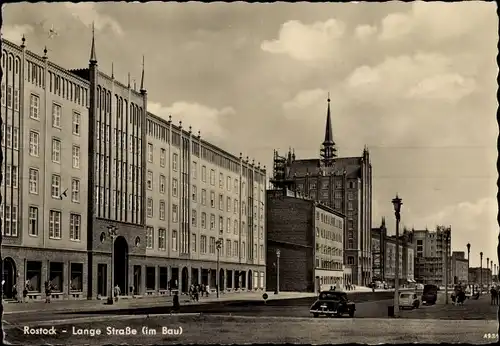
x=490, y=336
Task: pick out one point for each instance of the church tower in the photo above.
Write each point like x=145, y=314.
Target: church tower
x=328, y=150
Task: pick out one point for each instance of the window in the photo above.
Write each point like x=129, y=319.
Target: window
x=149, y=181
x=203, y=244
x=163, y=157
x=149, y=237
x=221, y=224
x=10, y=213
x=76, y=156
x=174, y=240
x=221, y=202
x=56, y=150
x=16, y=99
x=174, y=187
x=194, y=218
x=212, y=177
x=175, y=159
x=174, y=212
x=235, y=249
x=33, y=221
x=194, y=170
x=212, y=221
x=195, y=194
x=254, y=251
x=204, y=174
x=9, y=96
x=228, y=183
x=228, y=248
x=75, y=224
x=228, y=225
x=236, y=206
x=55, y=224
x=350, y=260
x=228, y=204
x=221, y=181
x=162, y=210
x=242, y=250
x=212, y=246
x=235, y=226
x=236, y=186
x=204, y=197
x=212, y=199
x=162, y=237
x=34, y=143
x=11, y=176
x=12, y=137
x=149, y=207
x=56, y=115
x=150, y=152
x=34, y=107
x=349, y=206
x=261, y=248
x=204, y=220
x=56, y=186
x=162, y=183
x=76, y=123
x=193, y=242
x=75, y=190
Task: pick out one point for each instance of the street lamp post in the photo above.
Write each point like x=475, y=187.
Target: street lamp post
x=218, y=245
x=468, y=266
x=491, y=271
x=112, y=232
x=397, y=203
x=278, y=253
x=487, y=270
x=481, y=273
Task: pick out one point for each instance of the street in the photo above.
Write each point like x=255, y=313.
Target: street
x=285, y=320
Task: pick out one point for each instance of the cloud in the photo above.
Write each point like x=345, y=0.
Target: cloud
x=306, y=42
x=14, y=33
x=305, y=98
x=206, y=119
x=364, y=32
x=421, y=76
x=468, y=220
x=426, y=19
x=87, y=13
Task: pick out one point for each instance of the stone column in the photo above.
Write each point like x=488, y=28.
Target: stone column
x=179, y=279
x=157, y=279
x=143, y=280
x=199, y=275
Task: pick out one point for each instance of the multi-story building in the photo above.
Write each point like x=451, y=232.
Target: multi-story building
x=384, y=256
x=170, y=196
x=478, y=276
x=342, y=183
x=44, y=188
x=432, y=248
x=459, y=267
x=309, y=237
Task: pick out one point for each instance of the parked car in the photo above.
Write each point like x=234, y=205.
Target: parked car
x=408, y=300
x=429, y=295
x=332, y=303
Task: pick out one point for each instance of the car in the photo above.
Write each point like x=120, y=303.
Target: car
x=408, y=300
x=333, y=304
x=430, y=293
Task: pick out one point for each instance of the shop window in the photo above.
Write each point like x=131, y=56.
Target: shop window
x=76, y=283
x=150, y=278
x=34, y=276
x=56, y=270
x=163, y=278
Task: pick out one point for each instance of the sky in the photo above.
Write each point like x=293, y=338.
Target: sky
x=414, y=82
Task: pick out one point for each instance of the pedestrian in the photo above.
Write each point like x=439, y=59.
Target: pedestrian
x=14, y=293
x=207, y=290
x=117, y=292
x=492, y=295
x=175, y=303
x=25, y=294
x=48, y=291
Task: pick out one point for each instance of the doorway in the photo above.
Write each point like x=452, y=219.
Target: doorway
x=120, y=267
x=102, y=279
x=10, y=277
x=185, y=280
x=249, y=286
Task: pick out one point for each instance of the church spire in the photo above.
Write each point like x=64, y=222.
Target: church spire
x=93, y=56
x=142, y=77
x=328, y=151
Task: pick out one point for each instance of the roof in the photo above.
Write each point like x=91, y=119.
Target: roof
x=351, y=166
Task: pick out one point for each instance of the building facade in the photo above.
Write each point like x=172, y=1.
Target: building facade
x=342, y=183
x=432, y=250
x=459, y=267
x=478, y=276
x=384, y=256
x=309, y=237
x=170, y=195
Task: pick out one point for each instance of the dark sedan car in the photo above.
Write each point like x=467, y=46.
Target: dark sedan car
x=331, y=303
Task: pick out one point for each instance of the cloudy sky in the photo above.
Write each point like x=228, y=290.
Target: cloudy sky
x=415, y=82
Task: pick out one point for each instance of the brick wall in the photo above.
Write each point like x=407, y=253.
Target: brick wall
x=290, y=228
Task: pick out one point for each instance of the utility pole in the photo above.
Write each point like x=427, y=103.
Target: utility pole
x=446, y=236
x=481, y=274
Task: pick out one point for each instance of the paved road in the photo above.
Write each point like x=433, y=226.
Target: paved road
x=207, y=329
